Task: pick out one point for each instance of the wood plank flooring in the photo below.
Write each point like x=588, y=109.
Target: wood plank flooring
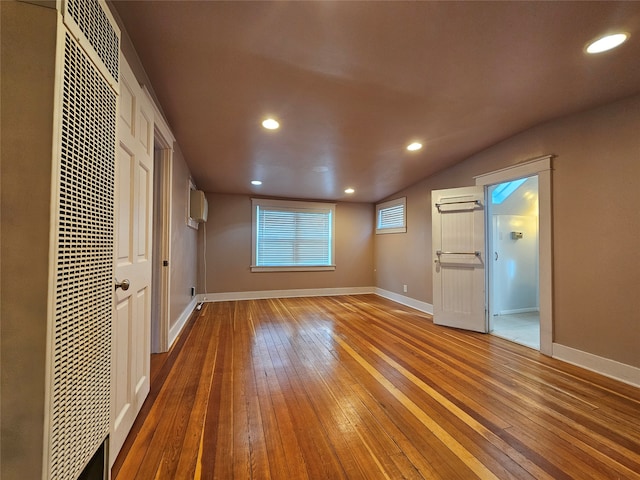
x=360, y=387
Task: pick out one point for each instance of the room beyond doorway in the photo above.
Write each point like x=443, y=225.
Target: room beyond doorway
x=514, y=303
x=522, y=328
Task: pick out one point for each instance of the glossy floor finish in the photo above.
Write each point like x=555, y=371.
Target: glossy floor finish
x=361, y=387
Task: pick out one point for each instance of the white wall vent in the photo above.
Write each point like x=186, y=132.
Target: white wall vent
x=93, y=20
x=81, y=351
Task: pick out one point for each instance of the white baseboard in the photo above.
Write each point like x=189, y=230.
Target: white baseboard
x=408, y=301
x=300, y=292
x=317, y=292
x=518, y=310
x=182, y=320
x=604, y=366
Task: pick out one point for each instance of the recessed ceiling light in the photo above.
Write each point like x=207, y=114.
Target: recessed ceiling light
x=412, y=147
x=256, y=182
x=270, y=124
x=349, y=190
x=607, y=43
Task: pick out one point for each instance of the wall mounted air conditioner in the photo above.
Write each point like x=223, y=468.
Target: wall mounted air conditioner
x=198, y=207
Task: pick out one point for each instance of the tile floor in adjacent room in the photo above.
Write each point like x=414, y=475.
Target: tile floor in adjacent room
x=522, y=328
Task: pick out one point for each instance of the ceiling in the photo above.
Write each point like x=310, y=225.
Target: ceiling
x=353, y=83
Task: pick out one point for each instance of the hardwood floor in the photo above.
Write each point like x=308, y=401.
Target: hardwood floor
x=361, y=387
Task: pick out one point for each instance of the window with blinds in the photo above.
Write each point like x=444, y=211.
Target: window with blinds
x=391, y=217
x=292, y=235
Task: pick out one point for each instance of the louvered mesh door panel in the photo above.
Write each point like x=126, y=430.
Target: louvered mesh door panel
x=94, y=23
x=80, y=396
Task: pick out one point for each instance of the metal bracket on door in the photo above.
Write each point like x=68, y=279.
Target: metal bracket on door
x=475, y=202
x=477, y=253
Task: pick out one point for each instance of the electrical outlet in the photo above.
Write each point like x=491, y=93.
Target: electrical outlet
x=193, y=291
x=404, y=288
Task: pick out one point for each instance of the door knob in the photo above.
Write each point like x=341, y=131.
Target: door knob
x=496, y=256
x=124, y=285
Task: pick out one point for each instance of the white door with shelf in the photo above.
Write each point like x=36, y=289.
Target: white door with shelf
x=458, y=242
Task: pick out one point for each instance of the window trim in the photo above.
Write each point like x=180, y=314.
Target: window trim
x=389, y=204
x=296, y=206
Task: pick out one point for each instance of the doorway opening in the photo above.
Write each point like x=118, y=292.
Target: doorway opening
x=157, y=249
x=541, y=167
x=162, y=157
x=514, y=272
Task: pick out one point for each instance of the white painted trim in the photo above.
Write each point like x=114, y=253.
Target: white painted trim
x=159, y=121
x=392, y=203
x=297, y=207
x=167, y=208
x=604, y=366
x=162, y=286
x=164, y=138
x=309, y=268
x=518, y=310
x=316, y=292
x=545, y=261
x=540, y=166
x=301, y=292
x=182, y=320
x=408, y=301
x=519, y=170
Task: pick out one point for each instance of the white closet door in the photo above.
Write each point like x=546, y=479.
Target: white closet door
x=134, y=212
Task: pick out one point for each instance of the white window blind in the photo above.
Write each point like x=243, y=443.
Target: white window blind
x=292, y=235
x=391, y=217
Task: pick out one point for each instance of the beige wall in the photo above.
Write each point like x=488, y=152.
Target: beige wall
x=229, y=250
x=596, y=226
x=183, y=267
x=27, y=96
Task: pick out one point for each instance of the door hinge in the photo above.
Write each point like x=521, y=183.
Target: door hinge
x=165, y=263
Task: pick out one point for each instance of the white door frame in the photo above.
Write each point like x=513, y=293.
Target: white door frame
x=161, y=295
x=541, y=167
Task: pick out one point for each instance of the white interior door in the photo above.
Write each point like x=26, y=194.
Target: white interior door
x=134, y=212
x=458, y=251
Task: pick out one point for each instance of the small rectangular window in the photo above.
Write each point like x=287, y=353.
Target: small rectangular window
x=391, y=216
x=294, y=236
